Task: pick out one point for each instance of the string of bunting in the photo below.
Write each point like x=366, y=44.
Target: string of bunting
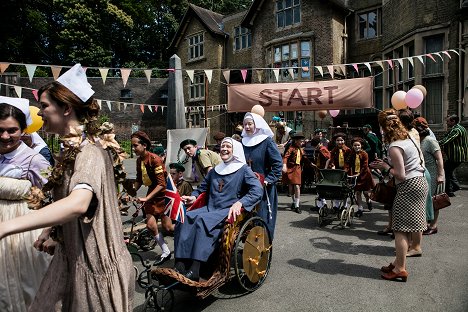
x=322, y=69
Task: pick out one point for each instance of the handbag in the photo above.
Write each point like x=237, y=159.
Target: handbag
x=441, y=199
x=384, y=192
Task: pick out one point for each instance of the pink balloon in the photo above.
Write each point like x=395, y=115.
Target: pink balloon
x=398, y=100
x=414, y=98
x=334, y=112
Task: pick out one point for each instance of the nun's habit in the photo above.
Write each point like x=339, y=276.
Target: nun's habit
x=228, y=183
x=263, y=157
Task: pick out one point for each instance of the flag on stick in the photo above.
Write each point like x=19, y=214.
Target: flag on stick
x=175, y=208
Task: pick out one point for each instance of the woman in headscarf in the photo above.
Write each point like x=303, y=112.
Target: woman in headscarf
x=264, y=158
x=230, y=187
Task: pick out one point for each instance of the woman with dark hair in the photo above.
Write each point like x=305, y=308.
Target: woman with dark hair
x=21, y=266
x=152, y=173
x=405, y=165
x=91, y=269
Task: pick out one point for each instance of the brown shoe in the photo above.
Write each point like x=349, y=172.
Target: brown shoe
x=387, y=269
x=392, y=276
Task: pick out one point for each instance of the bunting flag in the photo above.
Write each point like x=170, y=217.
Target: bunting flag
x=410, y=60
x=56, y=71
x=18, y=91
x=3, y=67
x=259, y=75
x=109, y=105
x=331, y=71
x=438, y=54
x=400, y=61
x=150, y=108
x=142, y=108
x=125, y=74
x=419, y=57
x=162, y=110
x=380, y=63
x=244, y=74
x=390, y=63
x=190, y=73
x=118, y=105
x=356, y=68
x=156, y=108
x=446, y=53
x=99, y=103
x=104, y=72
x=36, y=96
x=276, y=73
x=209, y=74
x=125, y=106
x=227, y=75
x=368, y=66
x=320, y=70
x=31, y=69
x=456, y=52
x=431, y=57
x=148, y=74
x=343, y=69
x=291, y=72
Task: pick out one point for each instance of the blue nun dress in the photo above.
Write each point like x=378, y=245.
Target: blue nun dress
x=197, y=237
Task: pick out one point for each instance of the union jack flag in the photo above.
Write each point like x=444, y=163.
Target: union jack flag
x=175, y=208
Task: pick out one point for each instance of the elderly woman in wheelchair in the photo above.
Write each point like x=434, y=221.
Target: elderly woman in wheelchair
x=230, y=188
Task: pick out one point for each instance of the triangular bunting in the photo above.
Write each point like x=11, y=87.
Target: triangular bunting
x=291, y=72
x=109, y=105
x=150, y=108
x=260, y=75
x=34, y=92
x=276, y=73
x=148, y=74
x=104, y=72
x=368, y=66
x=156, y=108
x=209, y=74
x=356, y=68
x=431, y=57
x=343, y=69
x=438, y=54
x=125, y=74
x=118, y=106
x=56, y=71
x=142, y=108
x=125, y=106
x=320, y=70
x=18, y=91
x=244, y=74
x=410, y=60
x=380, y=63
x=227, y=75
x=400, y=61
x=190, y=73
x=331, y=70
x=454, y=51
x=99, y=102
x=162, y=110
x=420, y=59
x=446, y=53
x=3, y=67
x=390, y=63
x=31, y=69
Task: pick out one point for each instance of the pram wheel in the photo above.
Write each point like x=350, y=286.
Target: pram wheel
x=164, y=299
x=145, y=240
x=347, y=216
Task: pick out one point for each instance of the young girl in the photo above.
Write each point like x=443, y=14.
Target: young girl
x=357, y=164
x=293, y=171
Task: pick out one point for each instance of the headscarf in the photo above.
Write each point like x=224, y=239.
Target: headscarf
x=262, y=130
x=236, y=161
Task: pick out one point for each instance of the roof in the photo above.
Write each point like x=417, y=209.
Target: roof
x=256, y=6
x=213, y=22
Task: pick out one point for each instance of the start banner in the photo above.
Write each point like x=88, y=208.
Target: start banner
x=302, y=96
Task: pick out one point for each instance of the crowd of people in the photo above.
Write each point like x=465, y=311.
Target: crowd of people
x=74, y=239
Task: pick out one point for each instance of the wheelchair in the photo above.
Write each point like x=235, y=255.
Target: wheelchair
x=243, y=256
x=336, y=185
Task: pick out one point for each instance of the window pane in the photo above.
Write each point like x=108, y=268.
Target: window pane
x=280, y=19
x=378, y=99
x=289, y=17
x=288, y=3
x=237, y=31
x=305, y=48
x=201, y=37
x=297, y=2
x=363, y=26
x=293, y=50
x=378, y=79
x=201, y=50
x=237, y=43
x=295, y=70
x=433, y=105
x=249, y=39
x=410, y=67
x=297, y=15
x=305, y=62
x=285, y=52
x=244, y=42
x=277, y=54
x=372, y=27
x=433, y=44
x=279, y=5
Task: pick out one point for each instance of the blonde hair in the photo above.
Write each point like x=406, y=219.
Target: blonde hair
x=391, y=125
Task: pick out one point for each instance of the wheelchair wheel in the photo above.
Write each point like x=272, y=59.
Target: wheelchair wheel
x=252, y=254
x=145, y=240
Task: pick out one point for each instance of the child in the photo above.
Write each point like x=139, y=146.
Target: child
x=292, y=170
x=321, y=156
x=357, y=164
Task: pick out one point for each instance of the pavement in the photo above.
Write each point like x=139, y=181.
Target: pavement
x=331, y=269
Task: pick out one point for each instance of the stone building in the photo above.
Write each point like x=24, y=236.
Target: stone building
x=301, y=34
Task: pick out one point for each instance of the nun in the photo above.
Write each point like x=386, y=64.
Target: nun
x=264, y=158
x=231, y=187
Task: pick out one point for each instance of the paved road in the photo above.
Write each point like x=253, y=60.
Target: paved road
x=334, y=269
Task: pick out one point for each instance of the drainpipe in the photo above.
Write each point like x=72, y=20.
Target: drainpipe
x=345, y=38
x=461, y=78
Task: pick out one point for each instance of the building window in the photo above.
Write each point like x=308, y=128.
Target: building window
x=369, y=24
x=197, y=88
x=195, y=46
x=410, y=67
x=126, y=94
x=433, y=101
x=242, y=38
x=433, y=44
x=288, y=12
x=294, y=59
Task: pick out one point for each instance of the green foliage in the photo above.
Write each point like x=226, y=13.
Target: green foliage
x=126, y=145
